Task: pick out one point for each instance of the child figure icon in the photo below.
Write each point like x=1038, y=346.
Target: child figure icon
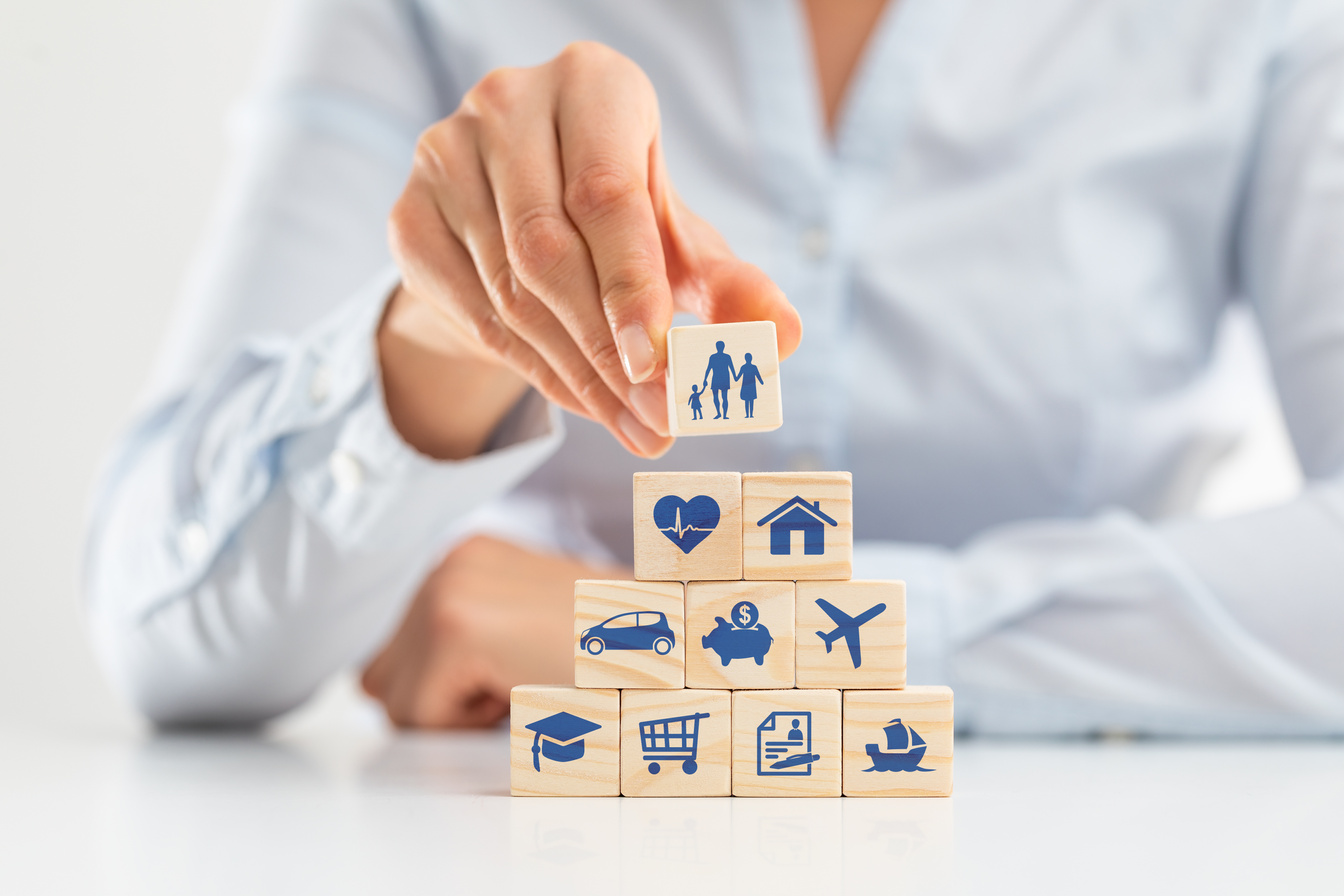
x=697, y=412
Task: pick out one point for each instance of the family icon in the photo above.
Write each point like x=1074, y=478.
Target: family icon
x=720, y=374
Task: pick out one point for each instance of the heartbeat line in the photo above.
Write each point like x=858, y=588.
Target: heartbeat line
x=679, y=530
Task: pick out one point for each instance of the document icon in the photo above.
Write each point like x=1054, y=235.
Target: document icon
x=784, y=744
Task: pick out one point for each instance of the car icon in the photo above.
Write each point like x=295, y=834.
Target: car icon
x=640, y=630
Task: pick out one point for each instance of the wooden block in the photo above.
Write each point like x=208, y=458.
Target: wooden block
x=676, y=743
x=564, y=741
x=844, y=640
x=786, y=743
x=739, y=634
x=898, y=743
x=797, y=526
x=629, y=634
x=688, y=526
x=719, y=364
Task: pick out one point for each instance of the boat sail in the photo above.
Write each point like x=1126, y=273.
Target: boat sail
x=905, y=749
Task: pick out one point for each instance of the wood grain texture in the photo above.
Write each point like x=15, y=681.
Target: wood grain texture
x=597, y=601
x=831, y=494
x=752, y=708
x=706, y=603
x=718, y=556
x=688, y=353
x=881, y=639
x=596, y=773
x=926, y=710
x=713, y=769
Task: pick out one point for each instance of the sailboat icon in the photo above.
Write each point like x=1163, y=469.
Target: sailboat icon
x=905, y=749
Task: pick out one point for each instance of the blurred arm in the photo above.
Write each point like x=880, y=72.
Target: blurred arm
x=1186, y=627
x=263, y=524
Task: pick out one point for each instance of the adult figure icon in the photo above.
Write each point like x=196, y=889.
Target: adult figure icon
x=721, y=368
x=750, y=375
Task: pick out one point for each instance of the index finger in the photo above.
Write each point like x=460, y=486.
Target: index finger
x=608, y=128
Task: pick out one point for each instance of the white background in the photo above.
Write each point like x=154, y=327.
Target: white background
x=112, y=116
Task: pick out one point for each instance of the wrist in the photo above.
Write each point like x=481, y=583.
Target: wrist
x=443, y=397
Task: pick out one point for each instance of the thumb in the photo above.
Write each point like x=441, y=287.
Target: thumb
x=712, y=283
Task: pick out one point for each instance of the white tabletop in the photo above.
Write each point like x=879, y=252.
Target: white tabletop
x=361, y=810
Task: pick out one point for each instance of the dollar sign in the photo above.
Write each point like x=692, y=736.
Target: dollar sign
x=743, y=615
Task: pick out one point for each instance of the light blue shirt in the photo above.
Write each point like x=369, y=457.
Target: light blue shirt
x=1011, y=263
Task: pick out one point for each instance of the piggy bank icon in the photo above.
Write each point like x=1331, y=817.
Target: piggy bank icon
x=732, y=642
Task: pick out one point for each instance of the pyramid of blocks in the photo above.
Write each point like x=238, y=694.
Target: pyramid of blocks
x=742, y=660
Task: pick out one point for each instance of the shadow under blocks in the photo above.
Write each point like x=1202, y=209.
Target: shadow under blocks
x=743, y=659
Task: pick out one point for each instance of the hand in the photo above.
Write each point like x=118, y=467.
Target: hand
x=493, y=615
x=540, y=242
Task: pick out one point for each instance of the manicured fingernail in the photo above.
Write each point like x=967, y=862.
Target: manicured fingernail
x=650, y=401
x=645, y=439
x=637, y=354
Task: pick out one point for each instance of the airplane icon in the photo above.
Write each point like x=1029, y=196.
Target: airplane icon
x=846, y=627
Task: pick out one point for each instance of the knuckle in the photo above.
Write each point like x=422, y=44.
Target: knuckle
x=538, y=242
x=605, y=357
x=447, y=622
x=401, y=229
x=598, y=188
x=495, y=94
x=439, y=149
x=592, y=391
x=493, y=335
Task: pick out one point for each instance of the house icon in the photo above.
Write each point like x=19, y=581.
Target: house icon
x=793, y=515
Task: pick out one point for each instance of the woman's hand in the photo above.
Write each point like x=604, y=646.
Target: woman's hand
x=493, y=615
x=540, y=243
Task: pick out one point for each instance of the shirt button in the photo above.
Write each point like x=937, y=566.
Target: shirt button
x=319, y=387
x=816, y=243
x=805, y=462
x=193, y=540
x=346, y=470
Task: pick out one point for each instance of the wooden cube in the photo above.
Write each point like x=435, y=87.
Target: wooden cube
x=688, y=526
x=723, y=378
x=739, y=634
x=786, y=743
x=797, y=526
x=676, y=743
x=850, y=634
x=629, y=634
x=898, y=743
x=564, y=741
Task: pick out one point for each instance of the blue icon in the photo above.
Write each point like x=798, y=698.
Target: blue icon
x=741, y=638
x=846, y=627
x=686, y=523
x=724, y=373
x=564, y=734
x=671, y=739
x=641, y=630
x=784, y=745
x=905, y=748
x=797, y=515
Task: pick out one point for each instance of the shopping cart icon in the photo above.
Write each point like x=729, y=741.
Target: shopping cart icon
x=671, y=739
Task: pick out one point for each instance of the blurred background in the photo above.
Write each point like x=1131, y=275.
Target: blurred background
x=113, y=124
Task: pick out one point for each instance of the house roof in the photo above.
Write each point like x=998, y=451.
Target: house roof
x=796, y=501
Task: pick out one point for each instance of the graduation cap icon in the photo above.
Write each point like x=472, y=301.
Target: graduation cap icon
x=563, y=733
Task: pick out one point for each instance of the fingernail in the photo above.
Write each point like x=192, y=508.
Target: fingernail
x=645, y=439
x=650, y=401
x=637, y=354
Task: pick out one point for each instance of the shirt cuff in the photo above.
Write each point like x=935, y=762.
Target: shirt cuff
x=926, y=571
x=356, y=476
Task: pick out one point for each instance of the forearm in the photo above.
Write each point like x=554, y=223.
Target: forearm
x=444, y=399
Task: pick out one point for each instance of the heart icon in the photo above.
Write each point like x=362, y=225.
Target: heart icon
x=686, y=523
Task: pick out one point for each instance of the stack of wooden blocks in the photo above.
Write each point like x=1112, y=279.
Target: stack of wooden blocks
x=743, y=659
